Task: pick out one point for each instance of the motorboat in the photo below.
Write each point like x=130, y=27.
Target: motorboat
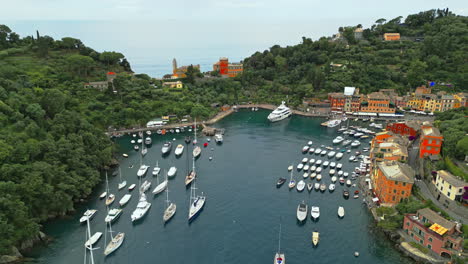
x=347, y=142
x=326, y=163
x=315, y=212
x=358, y=135
x=331, y=154
x=93, y=239
x=348, y=182
x=292, y=182
x=339, y=166
x=142, y=170
x=140, y=140
x=88, y=214
x=323, y=153
x=280, y=113
x=316, y=186
x=218, y=138
x=125, y=199
x=342, y=180
x=352, y=158
x=142, y=208
x=113, y=215
x=315, y=238
x=318, y=162
x=304, y=160
x=341, y=212
x=332, y=164
x=136, y=147
x=306, y=167
x=310, y=143
x=166, y=148
x=318, y=151
x=172, y=171
x=145, y=186
x=318, y=170
x=125, y=155
x=323, y=187
x=280, y=182
x=148, y=141
x=305, y=175
x=313, y=168
x=310, y=186
x=345, y=174
x=301, y=211
x=331, y=187
x=332, y=171
x=103, y=195
x=305, y=149
x=300, y=166
x=339, y=155
x=345, y=193
x=311, y=150
x=312, y=161
x=110, y=199
x=333, y=123
x=338, y=140
x=132, y=141
x=179, y=150
x=300, y=186
x=156, y=170
x=333, y=179
x=290, y=167
x=355, y=143
x=340, y=173
x=131, y=187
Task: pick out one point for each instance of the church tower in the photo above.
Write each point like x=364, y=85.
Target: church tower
x=174, y=66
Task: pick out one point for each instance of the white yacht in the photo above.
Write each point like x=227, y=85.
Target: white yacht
x=280, y=113
x=142, y=208
x=112, y=215
x=88, y=215
x=315, y=212
x=338, y=140
x=125, y=199
x=179, y=150
x=218, y=138
x=333, y=123
x=156, y=169
x=301, y=211
x=172, y=171
x=166, y=148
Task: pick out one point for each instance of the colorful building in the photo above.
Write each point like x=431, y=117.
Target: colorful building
x=392, y=181
x=408, y=128
x=227, y=69
x=430, y=141
x=377, y=102
x=434, y=232
x=180, y=72
x=391, y=36
x=176, y=84
x=337, y=101
x=389, y=151
x=449, y=186
x=416, y=103
x=421, y=90
x=460, y=100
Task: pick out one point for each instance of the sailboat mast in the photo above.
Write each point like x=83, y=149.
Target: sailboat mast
x=91, y=245
x=167, y=192
x=107, y=187
x=195, y=129
x=279, y=241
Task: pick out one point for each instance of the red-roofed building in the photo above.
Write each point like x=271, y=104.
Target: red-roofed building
x=409, y=128
x=111, y=76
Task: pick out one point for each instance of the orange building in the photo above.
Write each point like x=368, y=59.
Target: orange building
x=393, y=181
x=377, y=102
x=409, y=128
x=430, y=141
x=391, y=36
x=227, y=69
x=337, y=101
x=180, y=72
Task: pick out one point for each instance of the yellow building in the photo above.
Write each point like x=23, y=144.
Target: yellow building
x=449, y=186
x=460, y=100
x=177, y=84
x=416, y=103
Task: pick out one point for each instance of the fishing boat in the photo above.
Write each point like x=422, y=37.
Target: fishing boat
x=88, y=215
x=166, y=148
x=331, y=187
x=172, y=171
x=305, y=149
x=301, y=213
x=310, y=186
x=315, y=238
x=300, y=186
x=292, y=182
x=191, y=175
x=341, y=212
x=125, y=199
x=145, y=186
x=160, y=186
x=179, y=150
x=300, y=166
x=142, y=208
x=279, y=257
x=131, y=187
x=316, y=186
x=93, y=239
x=323, y=187
x=280, y=182
x=156, y=169
x=315, y=212
x=339, y=155
x=122, y=184
x=345, y=193
x=170, y=207
x=113, y=215
x=338, y=140
x=280, y=113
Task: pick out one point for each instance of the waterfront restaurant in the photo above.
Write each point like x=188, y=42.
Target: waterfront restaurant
x=431, y=230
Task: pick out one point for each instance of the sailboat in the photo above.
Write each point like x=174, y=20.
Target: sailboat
x=116, y=241
x=144, y=149
x=160, y=186
x=196, y=149
x=143, y=168
x=192, y=174
x=171, y=207
x=292, y=182
x=122, y=184
x=279, y=257
x=196, y=202
x=109, y=197
x=91, y=240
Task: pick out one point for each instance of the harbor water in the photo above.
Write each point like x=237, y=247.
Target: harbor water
x=243, y=210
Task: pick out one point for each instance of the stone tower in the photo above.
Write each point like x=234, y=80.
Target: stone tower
x=174, y=66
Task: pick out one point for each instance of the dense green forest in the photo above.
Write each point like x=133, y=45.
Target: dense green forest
x=52, y=146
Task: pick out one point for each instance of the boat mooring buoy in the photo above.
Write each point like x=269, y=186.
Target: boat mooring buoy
x=211, y=158
x=173, y=139
x=356, y=254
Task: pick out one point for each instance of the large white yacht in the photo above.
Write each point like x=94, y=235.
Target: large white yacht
x=280, y=113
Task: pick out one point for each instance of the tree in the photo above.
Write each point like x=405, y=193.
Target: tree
x=110, y=57
x=81, y=64
x=53, y=102
x=4, y=33
x=416, y=73
x=380, y=21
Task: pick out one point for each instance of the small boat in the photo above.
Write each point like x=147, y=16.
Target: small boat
x=309, y=143
x=218, y=138
x=323, y=153
x=93, y=239
x=172, y=171
x=125, y=156
x=305, y=175
x=331, y=187
x=355, y=143
x=148, y=132
x=332, y=172
x=315, y=238
x=166, y=148
x=339, y=155
x=113, y=215
x=352, y=158
x=319, y=177
x=304, y=160
x=300, y=166
x=333, y=179
x=300, y=186
x=145, y=186
x=347, y=142
x=339, y=166
x=179, y=150
x=159, y=132
x=136, y=147
x=318, y=162
x=301, y=213
x=318, y=151
x=290, y=167
x=313, y=168
x=133, y=141
x=325, y=163
x=131, y=187
x=356, y=196
x=142, y=208
x=315, y=212
x=340, y=173
x=142, y=170
x=317, y=186
x=348, y=182
x=148, y=141
x=125, y=199
x=280, y=182
x=305, y=149
x=346, y=194
x=311, y=150
x=342, y=180
x=103, y=195
x=331, y=154
x=312, y=161
x=292, y=182
x=338, y=140
x=88, y=214
x=306, y=167
x=110, y=199
x=310, y=186
x=341, y=212
x=323, y=187
x=318, y=170
x=348, y=151
x=156, y=170
x=332, y=164
x=345, y=174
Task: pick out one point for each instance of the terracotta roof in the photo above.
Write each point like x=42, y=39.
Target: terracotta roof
x=397, y=171
x=378, y=95
x=454, y=181
x=434, y=217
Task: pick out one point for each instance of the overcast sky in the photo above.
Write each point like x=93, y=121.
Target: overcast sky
x=151, y=32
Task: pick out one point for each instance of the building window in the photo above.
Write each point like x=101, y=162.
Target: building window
x=429, y=246
x=394, y=191
x=393, y=198
x=407, y=223
x=404, y=184
x=430, y=239
x=448, y=194
x=450, y=187
x=402, y=192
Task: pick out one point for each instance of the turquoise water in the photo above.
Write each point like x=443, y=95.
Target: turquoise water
x=240, y=221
